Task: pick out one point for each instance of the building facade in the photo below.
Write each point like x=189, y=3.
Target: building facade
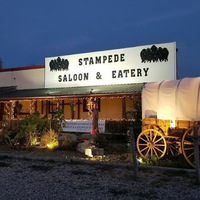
x=72, y=83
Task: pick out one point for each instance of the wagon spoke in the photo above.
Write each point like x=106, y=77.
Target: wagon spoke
x=144, y=149
x=191, y=154
x=171, y=151
x=150, y=135
x=143, y=139
x=174, y=148
x=147, y=152
x=155, y=137
x=155, y=152
x=159, y=149
x=151, y=153
x=158, y=140
x=147, y=137
x=191, y=148
x=159, y=145
x=186, y=142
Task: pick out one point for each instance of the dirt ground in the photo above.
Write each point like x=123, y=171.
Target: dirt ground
x=44, y=174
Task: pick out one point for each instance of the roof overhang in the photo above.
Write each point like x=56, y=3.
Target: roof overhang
x=73, y=92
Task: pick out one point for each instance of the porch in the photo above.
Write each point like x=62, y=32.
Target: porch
x=115, y=103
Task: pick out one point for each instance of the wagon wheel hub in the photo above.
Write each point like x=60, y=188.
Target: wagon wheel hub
x=151, y=144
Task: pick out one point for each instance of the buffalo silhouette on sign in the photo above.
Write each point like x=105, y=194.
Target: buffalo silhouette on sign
x=154, y=54
x=59, y=64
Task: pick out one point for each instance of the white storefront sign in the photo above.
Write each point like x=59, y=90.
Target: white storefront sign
x=150, y=63
x=82, y=126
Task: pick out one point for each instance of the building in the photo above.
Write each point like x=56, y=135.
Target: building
x=74, y=82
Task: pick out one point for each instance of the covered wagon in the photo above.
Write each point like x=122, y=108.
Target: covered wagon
x=170, y=109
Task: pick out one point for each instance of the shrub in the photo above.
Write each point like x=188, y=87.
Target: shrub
x=118, y=126
x=7, y=136
x=49, y=140
x=68, y=144
x=101, y=141
x=58, y=120
x=31, y=128
x=34, y=123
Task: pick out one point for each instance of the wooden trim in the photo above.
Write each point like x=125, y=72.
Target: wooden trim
x=42, y=107
x=47, y=107
x=63, y=106
x=36, y=105
x=86, y=96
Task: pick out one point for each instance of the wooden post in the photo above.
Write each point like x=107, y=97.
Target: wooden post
x=12, y=107
x=124, y=107
x=79, y=108
x=47, y=108
x=95, y=118
x=63, y=106
x=32, y=106
x=133, y=150
x=196, y=153
x=57, y=103
x=42, y=107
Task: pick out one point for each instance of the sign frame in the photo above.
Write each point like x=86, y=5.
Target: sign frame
x=149, y=63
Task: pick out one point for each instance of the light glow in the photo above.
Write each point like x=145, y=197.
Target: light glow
x=139, y=160
x=52, y=145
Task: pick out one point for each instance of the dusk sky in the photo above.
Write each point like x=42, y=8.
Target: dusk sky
x=31, y=30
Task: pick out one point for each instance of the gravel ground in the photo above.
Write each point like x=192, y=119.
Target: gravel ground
x=35, y=177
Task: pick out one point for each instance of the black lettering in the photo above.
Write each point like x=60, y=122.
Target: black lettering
x=120, y=75
x=116, y=58
x=91, y=61
x=104, y=59
x=70, y=79
x=75, y=77
x=145, y=71
x=59, y=78
x=139, y=72
x=110, y=58
x=101, y=59
x=80, y=61
x=65, y=78
x=113, y=74
x=98, y=60
x=85, y=59
x=122, y=57
x=80, y=77
x=86, y=76
x=132, y=72
x=126, y=71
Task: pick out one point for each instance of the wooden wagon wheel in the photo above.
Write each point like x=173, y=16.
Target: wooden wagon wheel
x=173, y=145
x=151, y=143
x=188, y=146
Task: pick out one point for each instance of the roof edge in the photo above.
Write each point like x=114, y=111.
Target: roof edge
x=22, y=68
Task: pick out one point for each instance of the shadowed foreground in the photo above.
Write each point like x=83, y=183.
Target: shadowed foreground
x=37, y=179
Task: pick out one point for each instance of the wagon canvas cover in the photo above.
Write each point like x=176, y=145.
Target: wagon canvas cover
x=172, y=100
